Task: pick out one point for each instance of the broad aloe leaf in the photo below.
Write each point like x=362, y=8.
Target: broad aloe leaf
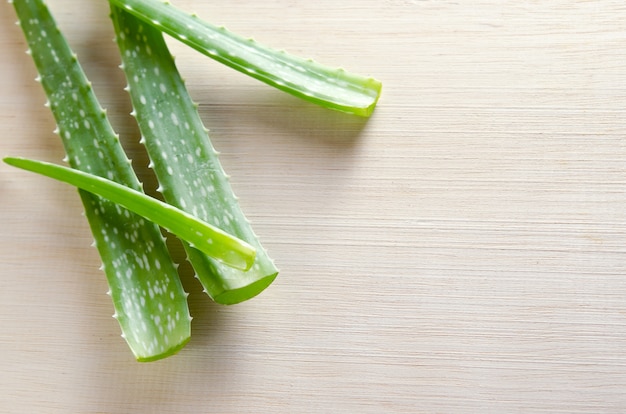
x=149, y=301
x=185, y=162
x=329, y=87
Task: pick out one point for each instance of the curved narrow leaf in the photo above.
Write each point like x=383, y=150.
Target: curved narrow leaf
x=203, y=236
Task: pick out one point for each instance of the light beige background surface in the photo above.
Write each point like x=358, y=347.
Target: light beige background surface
x=462, y=251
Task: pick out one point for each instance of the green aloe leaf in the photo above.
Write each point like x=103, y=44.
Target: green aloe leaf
x=332, y=88
x=203, y=236
x=149, y=300
x=186, y=164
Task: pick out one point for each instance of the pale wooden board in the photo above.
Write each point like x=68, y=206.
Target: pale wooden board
x=462, y=251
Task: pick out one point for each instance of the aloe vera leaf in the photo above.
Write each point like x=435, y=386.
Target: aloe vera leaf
x=205, y=237
x=332, y=88
x=184, y=160
x=149, y=301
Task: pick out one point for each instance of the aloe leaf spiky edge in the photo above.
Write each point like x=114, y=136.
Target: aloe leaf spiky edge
x=329, y=87
x=183, y=158
x=150, y=303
